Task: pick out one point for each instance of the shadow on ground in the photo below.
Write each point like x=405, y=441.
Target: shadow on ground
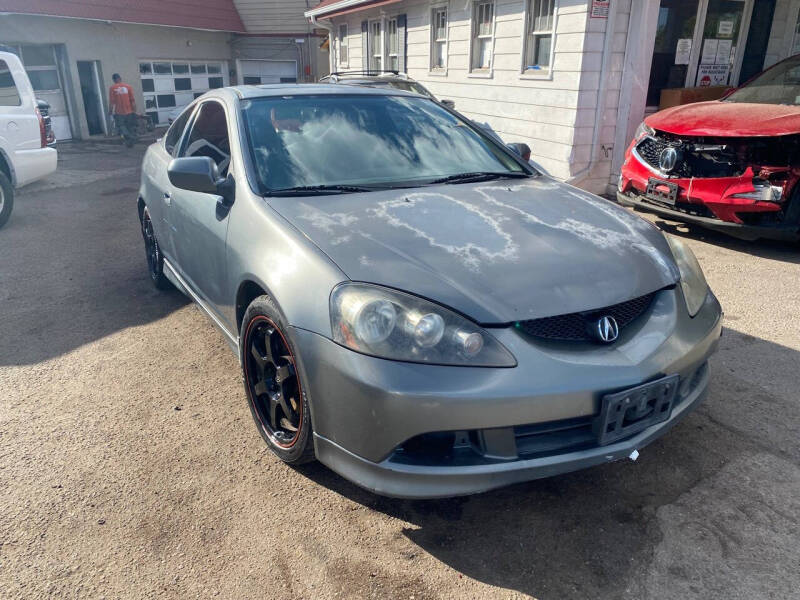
x=596, y=533
x=73, y=268
x=770, y=249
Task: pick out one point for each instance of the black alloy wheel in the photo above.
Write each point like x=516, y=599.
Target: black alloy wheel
x=272, y=382
x=155, y=261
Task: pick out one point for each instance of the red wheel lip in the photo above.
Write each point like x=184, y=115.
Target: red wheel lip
x=266, y=429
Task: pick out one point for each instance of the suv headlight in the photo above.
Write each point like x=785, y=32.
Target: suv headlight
x=390, y=324
x=693, y=282
x=642, y=130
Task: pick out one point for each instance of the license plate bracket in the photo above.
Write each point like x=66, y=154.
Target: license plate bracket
x=625, y=413
x=662, y=191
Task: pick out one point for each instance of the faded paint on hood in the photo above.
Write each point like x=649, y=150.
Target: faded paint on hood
x=727, y=119
x=497, y=252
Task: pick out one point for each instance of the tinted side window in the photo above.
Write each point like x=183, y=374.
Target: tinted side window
x=175, y=131
x=9, y=96
x=209, y=136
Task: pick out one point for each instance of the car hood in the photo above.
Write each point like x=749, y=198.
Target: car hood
x=727, y=119
x=497, y=252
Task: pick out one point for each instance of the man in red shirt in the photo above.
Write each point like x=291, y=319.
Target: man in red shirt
x=122, y=105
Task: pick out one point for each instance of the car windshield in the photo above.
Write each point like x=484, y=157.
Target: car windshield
x=778, y=85
x=373, y=141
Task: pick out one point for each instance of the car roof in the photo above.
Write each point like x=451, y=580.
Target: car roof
x=312, y=89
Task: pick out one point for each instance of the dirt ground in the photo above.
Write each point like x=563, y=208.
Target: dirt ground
x=130, y=467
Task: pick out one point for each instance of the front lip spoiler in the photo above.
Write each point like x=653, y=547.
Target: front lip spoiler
x=786, y=233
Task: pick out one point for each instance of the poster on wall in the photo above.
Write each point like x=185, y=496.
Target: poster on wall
x=723, y=52
x=600, y=9
x=683, y=51
x=709, y=56
x=710, y=75
x=725, y=29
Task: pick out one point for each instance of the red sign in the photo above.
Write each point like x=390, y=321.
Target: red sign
x=600, y=9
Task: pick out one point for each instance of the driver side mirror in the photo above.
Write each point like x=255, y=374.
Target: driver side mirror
x=448, y=103
x=520, y=149
x=200, y=174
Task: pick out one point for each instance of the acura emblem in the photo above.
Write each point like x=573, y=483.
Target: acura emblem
x=668, y=159
x=607, y=329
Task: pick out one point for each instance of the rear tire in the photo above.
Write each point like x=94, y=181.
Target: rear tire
x=275, y=393
x=6, y=199
x=155, y=260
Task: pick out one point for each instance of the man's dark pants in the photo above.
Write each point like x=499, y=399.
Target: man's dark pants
x=126, y=126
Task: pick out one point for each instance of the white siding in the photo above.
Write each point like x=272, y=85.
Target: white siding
x=555, y=113
x=552, y=113
x=274, y=16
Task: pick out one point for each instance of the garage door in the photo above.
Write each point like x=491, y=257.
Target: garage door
x=170, y=85
x=255, y=72
x=41, y=66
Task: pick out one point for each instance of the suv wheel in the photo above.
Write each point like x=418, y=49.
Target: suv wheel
x=6, y=199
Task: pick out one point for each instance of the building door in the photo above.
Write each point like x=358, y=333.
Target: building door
x=92, y=94
x=699, y=43
x=256, y=72
x=42, y=68
x=677, y=21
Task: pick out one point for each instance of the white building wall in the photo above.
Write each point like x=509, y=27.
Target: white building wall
x=118, y=47
x=274, y=16
x=548, y=112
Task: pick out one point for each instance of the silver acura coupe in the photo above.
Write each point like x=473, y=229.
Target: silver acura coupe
x=411, y=304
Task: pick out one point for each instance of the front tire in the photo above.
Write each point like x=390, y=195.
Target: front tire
x=155, y=260
x=275, y=393
x=6, y=199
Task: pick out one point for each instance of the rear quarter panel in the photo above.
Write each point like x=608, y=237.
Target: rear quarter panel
x=20, y=138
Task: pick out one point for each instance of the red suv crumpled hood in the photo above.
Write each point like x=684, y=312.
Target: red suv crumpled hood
x=727, y=119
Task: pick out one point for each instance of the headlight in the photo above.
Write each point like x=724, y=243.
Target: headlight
x=693, y=282
x=642, y=130
x=398, y=326
x=762, y=191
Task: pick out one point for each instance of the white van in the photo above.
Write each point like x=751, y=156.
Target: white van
x=24, y=152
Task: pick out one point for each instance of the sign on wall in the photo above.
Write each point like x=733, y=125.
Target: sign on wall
x=710, y=75
x=600, y=9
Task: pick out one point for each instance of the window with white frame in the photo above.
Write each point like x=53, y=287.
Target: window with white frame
x=343, y=44
x=539, y=38
x=392, y=46
x=375, y=46
x=439, y=38
x=482, y=29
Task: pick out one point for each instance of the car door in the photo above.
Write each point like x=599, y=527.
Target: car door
x=157, y=189
x=199, y=222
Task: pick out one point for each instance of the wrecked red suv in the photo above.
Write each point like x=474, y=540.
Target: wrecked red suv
x=732, y=164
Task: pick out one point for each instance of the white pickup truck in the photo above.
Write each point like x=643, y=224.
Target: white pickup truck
x=24, y=152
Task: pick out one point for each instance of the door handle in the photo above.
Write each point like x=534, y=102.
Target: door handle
x=167, y=198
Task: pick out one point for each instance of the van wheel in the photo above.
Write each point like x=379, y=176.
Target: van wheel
x=6, y=199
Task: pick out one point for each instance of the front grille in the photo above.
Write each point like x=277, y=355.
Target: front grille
x=697, y=157
x=650, y=149
x=575, y=326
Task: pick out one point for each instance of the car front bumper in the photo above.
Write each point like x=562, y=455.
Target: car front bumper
x=364, y=409
x=710, y=202
x=786, y=233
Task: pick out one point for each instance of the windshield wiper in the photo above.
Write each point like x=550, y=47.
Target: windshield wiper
x=480, y=176
x=318, y=190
